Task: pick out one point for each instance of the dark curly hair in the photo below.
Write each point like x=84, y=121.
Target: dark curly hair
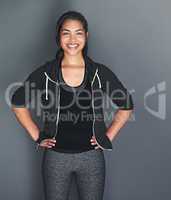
x=75, y=16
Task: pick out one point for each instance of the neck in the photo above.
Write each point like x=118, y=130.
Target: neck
x=76, y=60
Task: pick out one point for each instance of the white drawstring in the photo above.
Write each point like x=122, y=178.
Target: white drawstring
x=97, y=77
x=48, y=78
x=99, y=81
x=94, y=77
x=46, y=88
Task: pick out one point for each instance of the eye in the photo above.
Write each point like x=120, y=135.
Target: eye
x=79, y=33
x=65, y=33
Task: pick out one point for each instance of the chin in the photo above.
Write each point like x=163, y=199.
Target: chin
x=73, y=53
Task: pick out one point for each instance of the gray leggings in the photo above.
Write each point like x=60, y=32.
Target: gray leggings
x=58, y=169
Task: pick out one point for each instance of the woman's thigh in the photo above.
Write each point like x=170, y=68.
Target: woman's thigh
x=90, y=174
x=57, y=174
x=58, y=169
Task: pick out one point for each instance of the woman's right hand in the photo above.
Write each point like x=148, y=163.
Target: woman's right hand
x=47, y=143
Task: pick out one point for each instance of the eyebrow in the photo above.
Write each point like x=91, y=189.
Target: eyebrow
x=64, y=29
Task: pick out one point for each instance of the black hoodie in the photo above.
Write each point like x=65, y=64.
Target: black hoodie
x=41, y=92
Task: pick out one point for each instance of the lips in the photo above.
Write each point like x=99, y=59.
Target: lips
x=72, y=46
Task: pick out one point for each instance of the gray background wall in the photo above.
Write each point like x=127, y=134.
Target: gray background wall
x=133, y=39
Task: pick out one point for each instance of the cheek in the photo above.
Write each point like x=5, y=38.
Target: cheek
x=81, y=41
x=63, y=41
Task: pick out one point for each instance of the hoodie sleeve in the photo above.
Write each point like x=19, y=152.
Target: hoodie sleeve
x=26, y=95
x=114, y=88
x=22, y=95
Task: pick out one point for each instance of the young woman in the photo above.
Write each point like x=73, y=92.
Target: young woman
x=69, y=91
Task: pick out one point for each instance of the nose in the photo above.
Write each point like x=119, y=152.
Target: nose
x=72, y=38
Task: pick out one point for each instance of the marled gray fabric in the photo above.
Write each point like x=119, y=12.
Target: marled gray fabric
x=88, y=167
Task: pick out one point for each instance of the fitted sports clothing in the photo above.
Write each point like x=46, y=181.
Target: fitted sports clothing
x=59, y=168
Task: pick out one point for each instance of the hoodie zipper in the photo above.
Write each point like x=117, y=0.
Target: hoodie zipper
x=93, y=121
x=57, y=83
x=57, y=118
x=96, y=74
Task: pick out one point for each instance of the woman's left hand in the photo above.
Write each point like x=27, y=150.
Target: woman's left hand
x=94, y=142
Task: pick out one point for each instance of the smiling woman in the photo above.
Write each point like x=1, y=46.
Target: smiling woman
x=72, y=37
x=75, y=140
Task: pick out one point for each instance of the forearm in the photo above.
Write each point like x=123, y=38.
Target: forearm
x=24, y=117
x=120, y=118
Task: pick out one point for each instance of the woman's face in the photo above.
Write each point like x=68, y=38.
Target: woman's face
x=72, y=37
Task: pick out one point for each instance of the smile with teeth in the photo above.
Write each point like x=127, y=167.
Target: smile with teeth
x=72, y=45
